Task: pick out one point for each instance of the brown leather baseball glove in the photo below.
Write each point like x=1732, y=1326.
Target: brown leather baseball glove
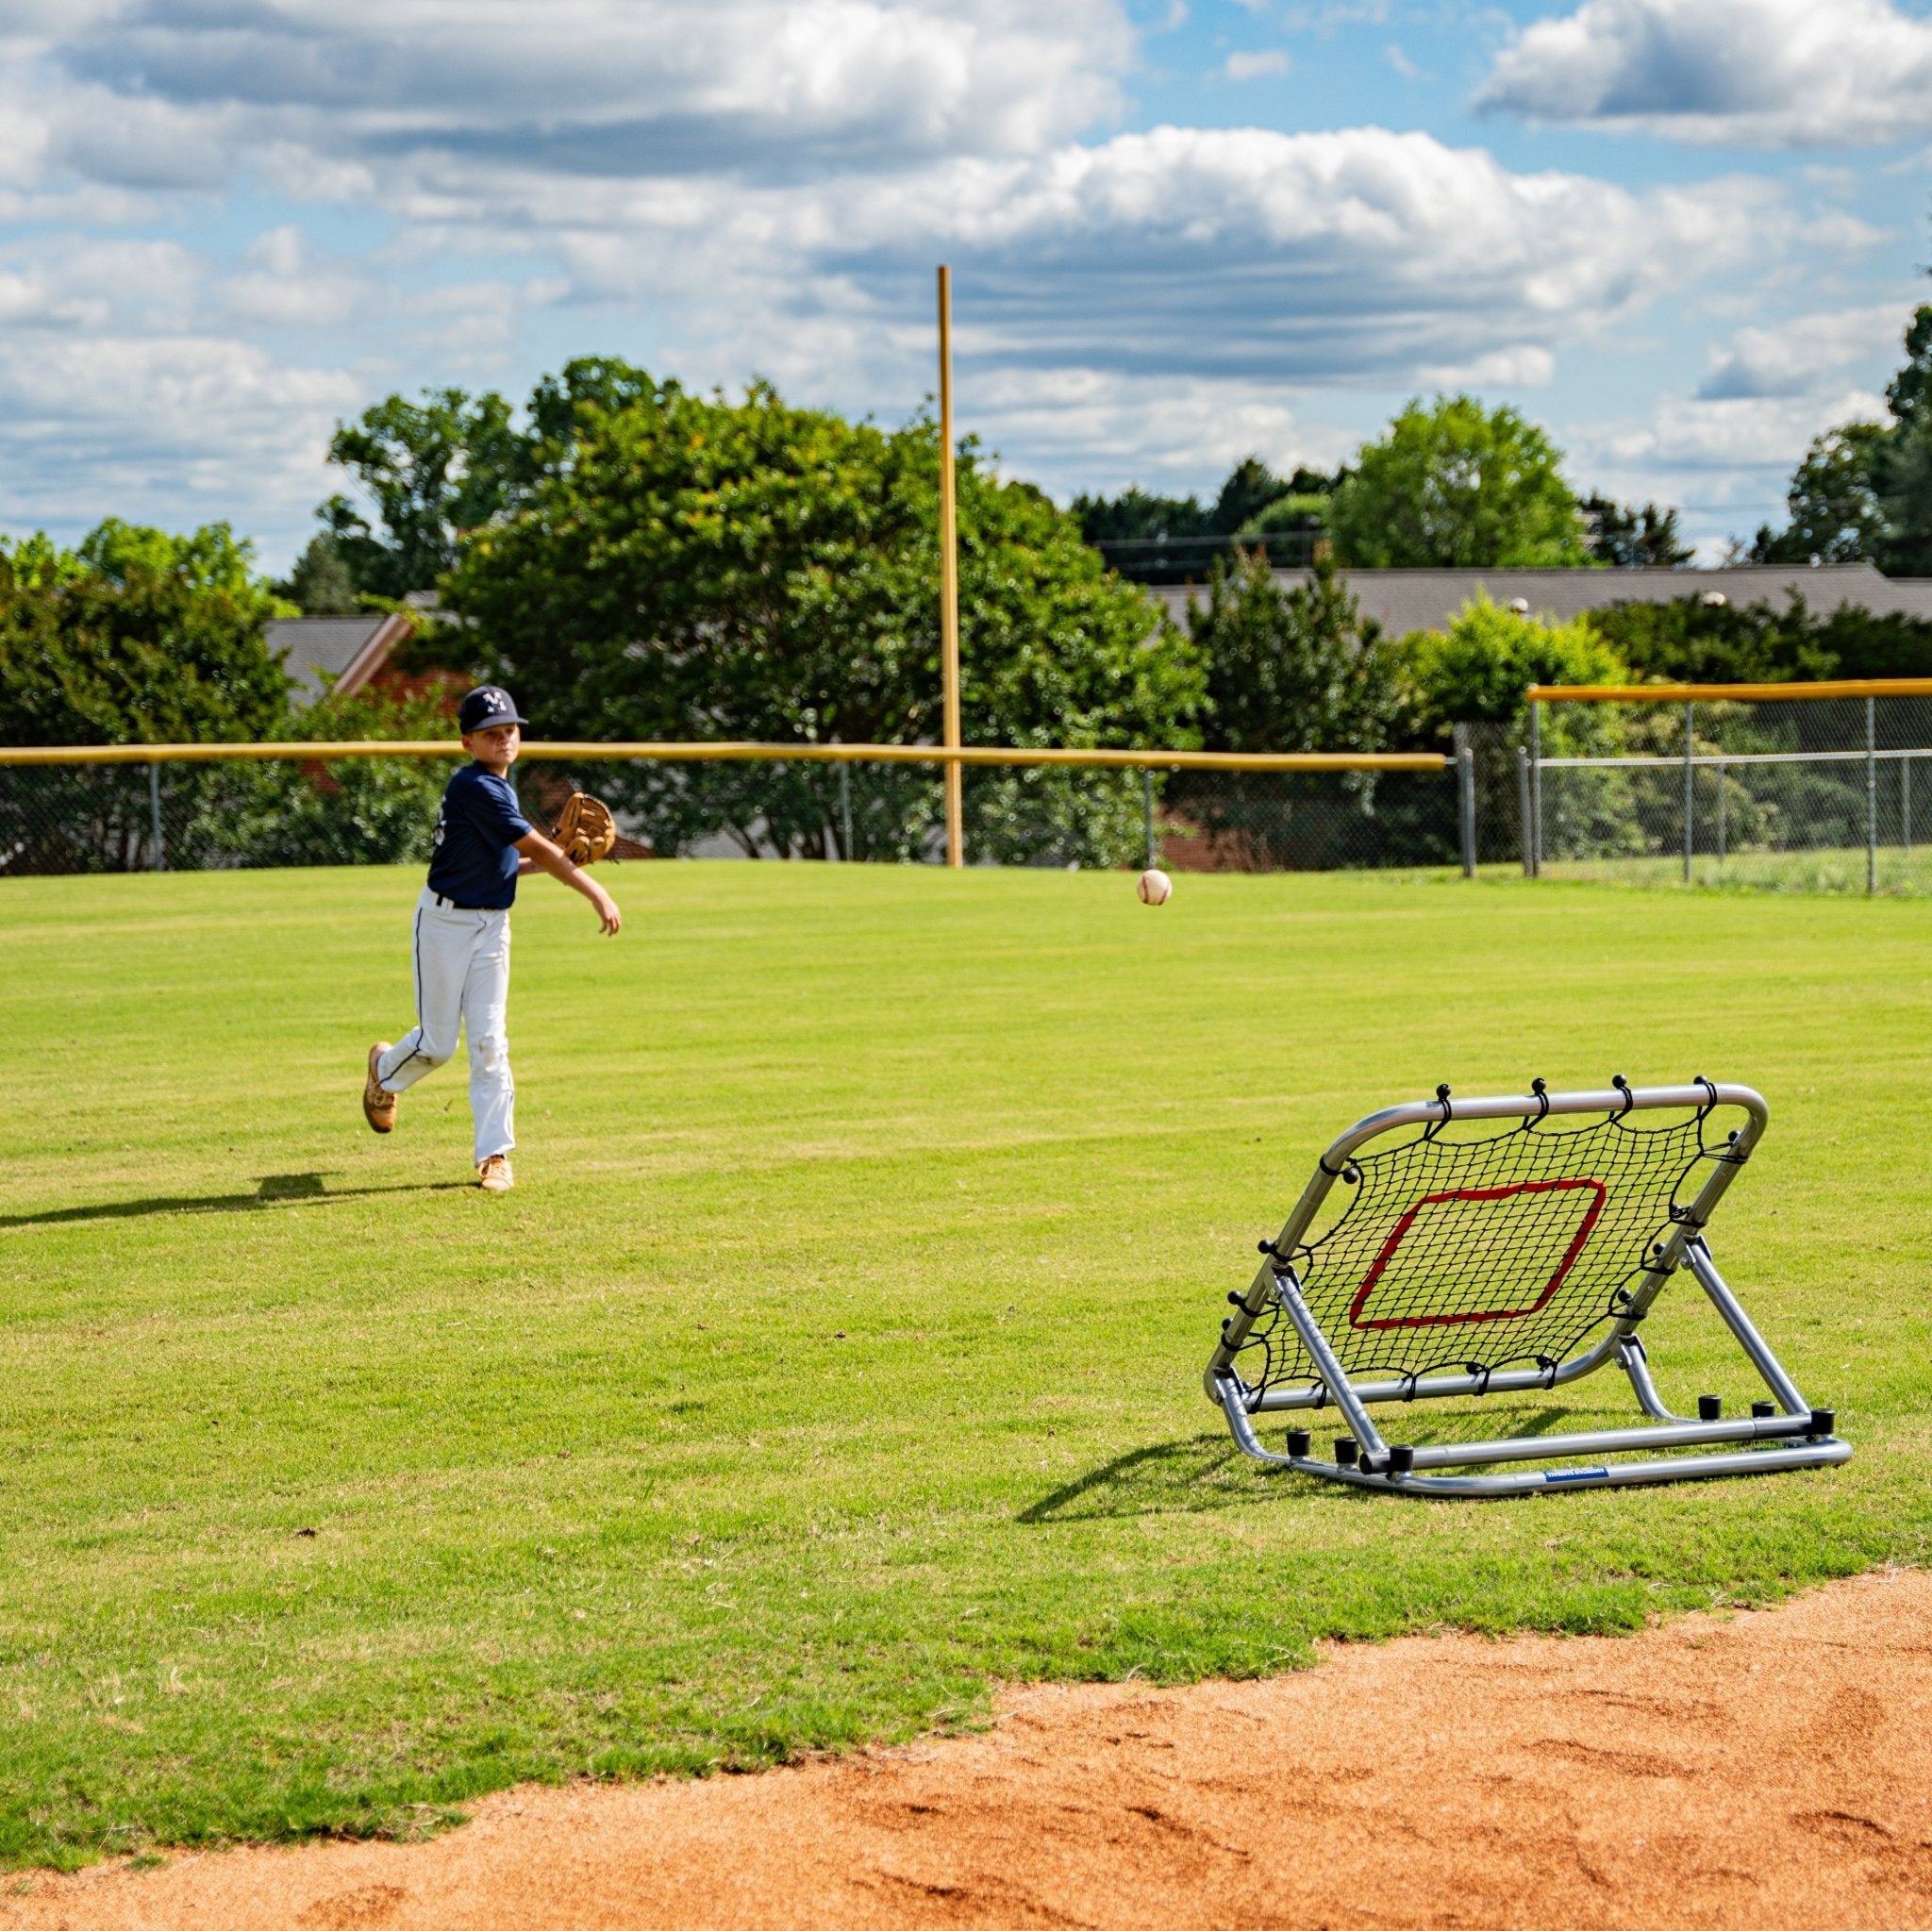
x=585, y=829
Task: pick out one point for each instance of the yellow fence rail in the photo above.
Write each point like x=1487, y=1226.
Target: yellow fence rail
x=322, y=752
x=1719, y=693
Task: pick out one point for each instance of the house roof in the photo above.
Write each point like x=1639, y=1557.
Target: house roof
x=1406, y=600
x=349, y=649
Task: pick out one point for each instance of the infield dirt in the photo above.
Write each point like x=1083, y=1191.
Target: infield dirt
x=1705, y=1773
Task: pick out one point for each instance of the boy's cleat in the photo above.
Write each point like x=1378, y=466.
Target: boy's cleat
x=493, y=1176
x=378, y=1103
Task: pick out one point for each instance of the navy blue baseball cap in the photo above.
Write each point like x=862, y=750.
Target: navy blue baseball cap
x=488, y=706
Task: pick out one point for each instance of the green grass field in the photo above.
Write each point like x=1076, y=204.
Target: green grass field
x=839, y=1352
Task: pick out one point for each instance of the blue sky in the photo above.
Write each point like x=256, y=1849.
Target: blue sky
x=1684, y=234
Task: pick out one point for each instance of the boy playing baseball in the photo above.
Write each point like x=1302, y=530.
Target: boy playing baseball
x=483, y=845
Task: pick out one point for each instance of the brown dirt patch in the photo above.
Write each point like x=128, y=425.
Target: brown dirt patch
x=1713, y=1771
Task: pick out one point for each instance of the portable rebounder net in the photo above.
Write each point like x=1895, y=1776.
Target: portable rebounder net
x=1479, y=1247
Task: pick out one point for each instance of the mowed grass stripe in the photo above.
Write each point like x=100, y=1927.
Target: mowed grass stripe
x=839, y=1351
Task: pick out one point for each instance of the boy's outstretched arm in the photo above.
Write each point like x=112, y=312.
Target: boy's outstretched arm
x=540, y=855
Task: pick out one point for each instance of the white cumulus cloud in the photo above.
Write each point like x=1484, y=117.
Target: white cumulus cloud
x=471, y=191
x=590, y=87
x=1783, y=74
x=160, y=426
x=1358, y=255
x=1802, y=355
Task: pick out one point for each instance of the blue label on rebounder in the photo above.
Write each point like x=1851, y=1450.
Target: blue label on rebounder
x=1556, y=1478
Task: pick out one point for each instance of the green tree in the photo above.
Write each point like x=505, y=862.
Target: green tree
x=1902, y=472
x=1136, y=515
x=433, y=469
x=1627, y=538
x=1475, y=671
x=1250, y=489
x=319, y=584
x=1908, y=394
x=1691, y=642
x=1454, y=484
x=1864, y=490
x=686, y=568
x=356, y=812
x=1478, y=670
x=1834, y=502
x=1173, y=539
x=136, y=636
x=1296, y=668
x=1906, y=477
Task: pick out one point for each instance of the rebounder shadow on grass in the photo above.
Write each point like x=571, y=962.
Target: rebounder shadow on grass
x=1207, y=1472
x=1170, y=1478
x=274, y=1190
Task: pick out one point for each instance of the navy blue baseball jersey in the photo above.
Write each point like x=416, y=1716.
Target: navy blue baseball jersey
x=473, y=862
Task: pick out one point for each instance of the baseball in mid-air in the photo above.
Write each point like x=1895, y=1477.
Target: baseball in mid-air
x=1156, y=888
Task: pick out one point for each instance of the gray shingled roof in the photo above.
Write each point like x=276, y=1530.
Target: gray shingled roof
x=312, y=646
x=1406, y=600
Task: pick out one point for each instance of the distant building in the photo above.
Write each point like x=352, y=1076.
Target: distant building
x=349, y=649
x=1406, y=600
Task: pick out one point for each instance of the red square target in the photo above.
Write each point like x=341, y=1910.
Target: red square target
x=1592, y=1194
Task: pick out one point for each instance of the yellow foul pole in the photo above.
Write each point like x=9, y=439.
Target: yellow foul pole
x=949, y=579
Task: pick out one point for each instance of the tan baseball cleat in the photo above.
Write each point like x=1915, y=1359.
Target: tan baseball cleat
x=378, y=1103
x=493, y=1176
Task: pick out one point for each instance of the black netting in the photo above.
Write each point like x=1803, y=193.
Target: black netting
x=1469, y=1247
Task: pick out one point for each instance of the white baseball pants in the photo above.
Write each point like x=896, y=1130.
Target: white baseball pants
x=462, y=978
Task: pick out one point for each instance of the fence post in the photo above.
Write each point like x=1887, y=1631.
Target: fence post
x=949, y=585
x=1689, y=790
x=154, y=805
x=1523, y=802
x=1905, y=802
x=1535, y=840
x=1465, y=798
x=1871, y=796
x=845, y=811
x=1148, y=814
x=1720, y=812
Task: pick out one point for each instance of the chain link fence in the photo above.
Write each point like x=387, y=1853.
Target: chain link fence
x=1808, y=788
x=244, y=810
x=1814, y=789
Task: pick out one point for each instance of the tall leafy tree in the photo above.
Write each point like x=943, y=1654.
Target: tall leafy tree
x=1628, y=538
x=1864, y=490
x=320, y=583
x=1691, y=642
x=1170, y=539
x=1297, y=667
x=433, y=469
x=1837, y=511
x=1293, y=667
x=1250, y=489
x=136, y=636
x=1454, y=485
x=1152, y=539
x=686, y=568
x=1477, y=668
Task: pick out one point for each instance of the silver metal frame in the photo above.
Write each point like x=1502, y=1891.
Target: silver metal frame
x=1798, y=1437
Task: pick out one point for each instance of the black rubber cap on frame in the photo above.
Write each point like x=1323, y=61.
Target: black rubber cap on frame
x=1401, y=1462
x=1763, y=1410
x=1299, y=1442
x=1824, y=1421
x=1346, y=1448
x=1710, y=1408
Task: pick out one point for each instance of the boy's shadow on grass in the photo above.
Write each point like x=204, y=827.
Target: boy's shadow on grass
x=1208, y=1472
x=273, y=1190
